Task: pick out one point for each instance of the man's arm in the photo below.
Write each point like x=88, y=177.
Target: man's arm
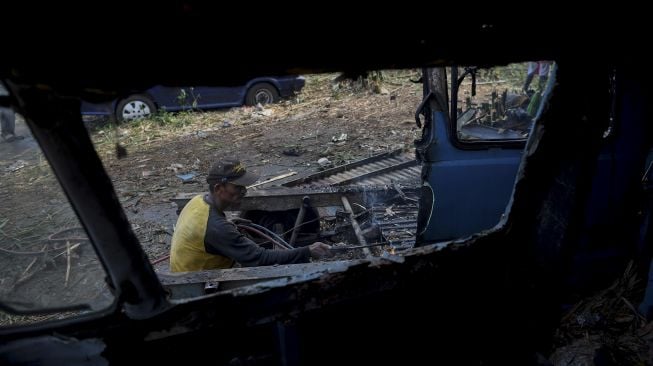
x=223, y=238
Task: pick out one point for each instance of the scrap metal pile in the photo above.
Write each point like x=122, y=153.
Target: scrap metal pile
x=370, y=204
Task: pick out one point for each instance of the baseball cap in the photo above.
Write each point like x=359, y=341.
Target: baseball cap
x=231, y=171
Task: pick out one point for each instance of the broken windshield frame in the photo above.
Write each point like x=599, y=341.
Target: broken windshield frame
x=495, y=117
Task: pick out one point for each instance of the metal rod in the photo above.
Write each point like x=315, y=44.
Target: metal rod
x=402, y=194
x=300, y=218
x=396, y=222
x=354, y=224
x=359, y=246
x=395, y=228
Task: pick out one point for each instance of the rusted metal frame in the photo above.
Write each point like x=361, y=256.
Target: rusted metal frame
x=281, y=199
x=354, y=224
x=352, y=247
x=397, y=211
x=402, y=243
x=402, y=194
x=376, y=172
x=412, y=225
x=342, y=168
x=262, y=273
x=395, y=222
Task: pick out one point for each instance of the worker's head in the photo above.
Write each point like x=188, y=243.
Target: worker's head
x=228, y=180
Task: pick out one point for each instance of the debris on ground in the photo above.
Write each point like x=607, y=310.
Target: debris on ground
x=188, y=177
x=606, y=329
x=324, y=162
x=17, y=165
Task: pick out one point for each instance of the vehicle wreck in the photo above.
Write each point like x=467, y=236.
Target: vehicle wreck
x=579, y=212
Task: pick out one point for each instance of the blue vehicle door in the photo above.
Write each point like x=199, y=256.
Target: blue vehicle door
x=469, y=167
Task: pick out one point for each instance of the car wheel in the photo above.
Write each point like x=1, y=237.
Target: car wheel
x=263, y=93
x=134, y=107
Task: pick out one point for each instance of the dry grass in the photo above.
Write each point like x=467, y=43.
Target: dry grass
x=7, y=320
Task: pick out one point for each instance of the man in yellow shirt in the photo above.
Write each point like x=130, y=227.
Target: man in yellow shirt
x=205, y=239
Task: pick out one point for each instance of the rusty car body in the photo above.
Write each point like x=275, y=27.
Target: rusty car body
x=491, y=298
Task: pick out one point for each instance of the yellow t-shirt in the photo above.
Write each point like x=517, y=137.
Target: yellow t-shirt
x=188, y=251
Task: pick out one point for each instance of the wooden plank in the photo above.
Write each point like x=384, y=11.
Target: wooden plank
x=273, y=179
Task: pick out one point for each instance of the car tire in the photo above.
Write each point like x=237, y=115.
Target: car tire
x=134, y=107
x=263, y=93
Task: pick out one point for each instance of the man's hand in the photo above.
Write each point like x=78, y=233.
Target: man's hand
x=319, y=250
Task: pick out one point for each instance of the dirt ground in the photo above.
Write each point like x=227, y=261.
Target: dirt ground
x=340, y=122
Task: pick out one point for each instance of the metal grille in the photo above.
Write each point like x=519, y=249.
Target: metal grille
x=384, y=169
x=398, y=223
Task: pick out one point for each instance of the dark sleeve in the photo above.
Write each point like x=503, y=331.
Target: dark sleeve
x=223, y=238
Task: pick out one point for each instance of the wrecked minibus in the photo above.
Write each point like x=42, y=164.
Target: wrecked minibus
x=568, y=208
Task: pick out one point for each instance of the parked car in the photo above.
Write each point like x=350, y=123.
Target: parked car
x=263, y=90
